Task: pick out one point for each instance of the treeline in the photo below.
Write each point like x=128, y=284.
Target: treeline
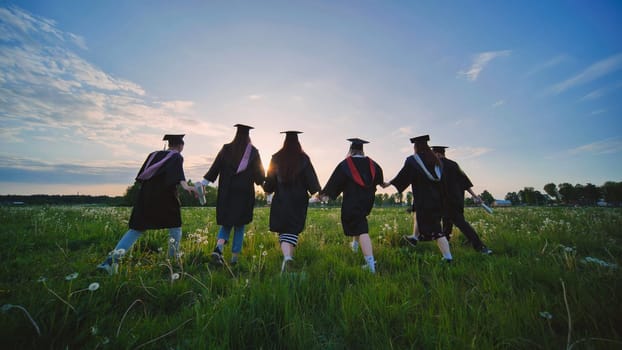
x=43, y=199
x=609, y=194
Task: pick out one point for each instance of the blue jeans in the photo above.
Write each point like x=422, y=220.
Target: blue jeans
x=238, y=236
x=130, y=237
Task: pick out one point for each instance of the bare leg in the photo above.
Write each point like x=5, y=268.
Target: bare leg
x=443, y=245
x=368, y=252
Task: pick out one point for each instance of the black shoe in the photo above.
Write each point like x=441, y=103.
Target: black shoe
x=485, y=250
x=217, y=258
x=410, y=240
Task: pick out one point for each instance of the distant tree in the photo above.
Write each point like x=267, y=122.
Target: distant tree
x=551, y=190
x=612, y=192
x=541, y=199
x=512, y=197
x=378, y=200
x=567, y=193
x=487, y=197
x=398, y=197
x=409, y=198
x=591, y=194
x=468, y=202
x=527, y=195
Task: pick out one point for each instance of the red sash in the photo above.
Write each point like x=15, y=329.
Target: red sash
x=355, y=173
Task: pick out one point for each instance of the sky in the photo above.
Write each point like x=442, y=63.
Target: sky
x=524, y=93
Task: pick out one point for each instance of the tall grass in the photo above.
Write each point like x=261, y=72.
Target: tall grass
x=553, y=282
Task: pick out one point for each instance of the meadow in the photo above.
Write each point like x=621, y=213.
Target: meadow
x=553, y=282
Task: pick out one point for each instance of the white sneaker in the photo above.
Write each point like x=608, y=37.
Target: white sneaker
x=368, y=268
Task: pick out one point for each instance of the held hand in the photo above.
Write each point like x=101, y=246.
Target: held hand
x=385, y=184
x=477, y=200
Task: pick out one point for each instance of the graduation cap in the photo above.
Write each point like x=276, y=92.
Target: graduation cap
x=243, y=129
x=291, y=134
x=357, y=144
x=174, y=139
x=439, y=149
x=420, y=139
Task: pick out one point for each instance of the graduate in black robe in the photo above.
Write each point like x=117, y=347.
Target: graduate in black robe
x=455, y=182
x=238, y=168
x=356, y=177
x=157, y=205
x=423, y=172
x=291, y=178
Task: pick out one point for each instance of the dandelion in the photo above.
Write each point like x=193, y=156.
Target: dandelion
x=42, y=279
x=261, y=246
x=72, y=276
x=171, y=241
x=175, y=276
x=546, y=315
x=264, y=253
x=93, y=286
x=94, y=330
x=160, y=250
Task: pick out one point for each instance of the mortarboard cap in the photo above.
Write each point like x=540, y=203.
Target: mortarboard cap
x=357, y=143
x=243, y=129
x=174, y=139
x=439, y=149
x=418, y=139
x=291, y=134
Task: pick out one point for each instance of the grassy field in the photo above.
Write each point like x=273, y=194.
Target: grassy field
x=553, y=282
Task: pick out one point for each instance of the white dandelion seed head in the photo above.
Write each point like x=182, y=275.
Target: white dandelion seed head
x=546, y=315
x=72, y=276
x=160, y=249
x=42, y=279
x=261, y=246
x=94, y=330
x=175, y=276
x=93, y=286
x=264, y=253
x=171, y=241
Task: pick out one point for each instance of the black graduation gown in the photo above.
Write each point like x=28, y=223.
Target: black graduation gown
x=288, y=211
x=158, y=205
x=455, y=182
x=357, y=200
x=428, y=197
x=236, y=192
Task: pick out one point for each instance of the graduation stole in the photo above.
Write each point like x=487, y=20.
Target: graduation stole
x=437, y=169
x=356, y=176
x=150, y=169
x=244, y=161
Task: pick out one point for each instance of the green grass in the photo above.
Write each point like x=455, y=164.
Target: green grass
x=544, y=264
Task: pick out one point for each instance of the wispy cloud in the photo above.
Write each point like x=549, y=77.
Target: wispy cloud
x=480, y=61
x=598, y=111
x=598, y=93
x=498, y=104
x=404, y=131
x=553, y=62
x=591, y=73
x=46, y=85
x=467, y=152
x=606, y=146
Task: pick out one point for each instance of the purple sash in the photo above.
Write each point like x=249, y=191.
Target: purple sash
x=150, y=169
x=244, y=162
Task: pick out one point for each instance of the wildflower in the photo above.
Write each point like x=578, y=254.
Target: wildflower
x=93, y=286
x=94, y=330
x=261, y=246
x=42, y=279
x=264, y=253
x=160, y=250
x=546, y=315
x=171, y=241
x=72, y=276
x=175, y=276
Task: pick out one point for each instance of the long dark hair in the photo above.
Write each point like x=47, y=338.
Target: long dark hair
x=289, y=158
x=238, y=145
x=429, y=158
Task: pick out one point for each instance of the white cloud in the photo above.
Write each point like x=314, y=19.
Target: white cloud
x=598, y=93
x=467, y=152
x=404, y=131
x=555, y=61
x=498, y=103
x=606, y=146
x=44, y=84
x=598, y=111
x=591, y=73
x=480, y=61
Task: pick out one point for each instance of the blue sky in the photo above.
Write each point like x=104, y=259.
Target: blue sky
x=523, y=92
